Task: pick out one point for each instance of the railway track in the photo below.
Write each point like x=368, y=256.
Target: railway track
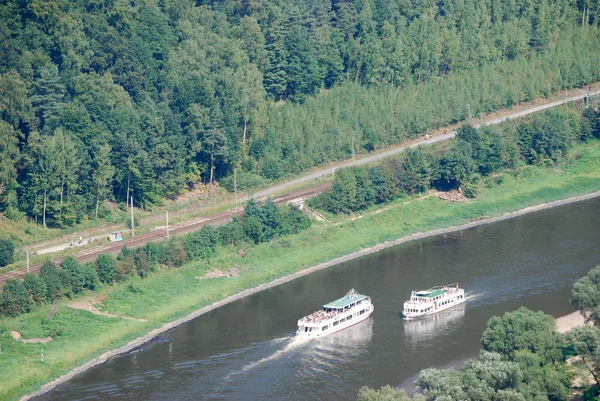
x=90, y=254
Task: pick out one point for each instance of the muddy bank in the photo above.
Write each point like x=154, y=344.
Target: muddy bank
x=156, y=332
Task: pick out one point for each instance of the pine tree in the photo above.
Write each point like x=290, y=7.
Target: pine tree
x=275, y=78
x=302, y=70
x=48, y=98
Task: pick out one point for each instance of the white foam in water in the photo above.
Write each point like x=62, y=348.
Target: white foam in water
x=473, y=297
x=293, y=343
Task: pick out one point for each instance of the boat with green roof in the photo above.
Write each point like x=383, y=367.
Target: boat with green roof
x=433, y=300
x=337, y=315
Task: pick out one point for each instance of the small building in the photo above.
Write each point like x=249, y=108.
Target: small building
x=116, y=236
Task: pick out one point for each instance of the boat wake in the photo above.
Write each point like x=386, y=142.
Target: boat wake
x=474, y=297
x=291, y=344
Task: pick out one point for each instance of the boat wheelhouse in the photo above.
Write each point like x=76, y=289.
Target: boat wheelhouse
x=433, y=300
x=351, y=309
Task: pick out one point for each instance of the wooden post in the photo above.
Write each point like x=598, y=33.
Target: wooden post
x=235, y=184
x=167, y=224
x=132, y=223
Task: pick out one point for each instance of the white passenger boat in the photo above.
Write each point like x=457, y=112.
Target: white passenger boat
x=433, y=300
x=351, y=309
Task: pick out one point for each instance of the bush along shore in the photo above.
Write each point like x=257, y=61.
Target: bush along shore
x=133, y=306
x=525, y=356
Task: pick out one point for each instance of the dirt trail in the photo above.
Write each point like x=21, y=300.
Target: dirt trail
x=86, y=306
x=17, y=336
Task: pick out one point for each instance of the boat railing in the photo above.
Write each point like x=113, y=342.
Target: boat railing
x=445, y=287
x=450, y=291
x=323, y=316
x=424, y=301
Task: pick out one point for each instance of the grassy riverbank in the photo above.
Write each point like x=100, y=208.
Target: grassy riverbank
x=171, y=294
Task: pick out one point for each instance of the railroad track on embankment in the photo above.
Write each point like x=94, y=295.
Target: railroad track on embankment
x=160, y=234
x=90, y=254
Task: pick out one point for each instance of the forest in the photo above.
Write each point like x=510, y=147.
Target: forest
x=523, y=358
x=107, y=100
x=475, y=155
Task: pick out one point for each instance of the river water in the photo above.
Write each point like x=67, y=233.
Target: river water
x=246, y=350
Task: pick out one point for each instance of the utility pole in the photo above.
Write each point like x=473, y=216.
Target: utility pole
x=167, y=225
x=235, y=186
x=132, y=223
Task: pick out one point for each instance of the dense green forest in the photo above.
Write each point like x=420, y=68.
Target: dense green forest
x=523, y=359
x=111, y=99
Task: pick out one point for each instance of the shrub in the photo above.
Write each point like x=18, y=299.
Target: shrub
x=175, y=254
x=125, y=263
x=253, y=230
x=294, y=221
x=231, y=233
x=15, y=299
x=36, y=287
x=202, y=244
x=142, y=263
x=106, y=266
x=125, y=267
x=91, y=276
x=244, y=181
x=74, y=270
x=126, y=253
x=57, y=282
x=14, y=214
x=155, y=252
x=7, y=252
x=136, y=221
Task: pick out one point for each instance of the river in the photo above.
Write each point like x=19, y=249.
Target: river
x=246, y=350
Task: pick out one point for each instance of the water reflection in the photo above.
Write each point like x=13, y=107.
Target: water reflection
x=432, y=326
x=245, y=351
x=328, y=359
x=351, y=341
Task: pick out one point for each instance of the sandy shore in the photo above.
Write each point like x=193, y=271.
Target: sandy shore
x=568, y=322
x=564, y=321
